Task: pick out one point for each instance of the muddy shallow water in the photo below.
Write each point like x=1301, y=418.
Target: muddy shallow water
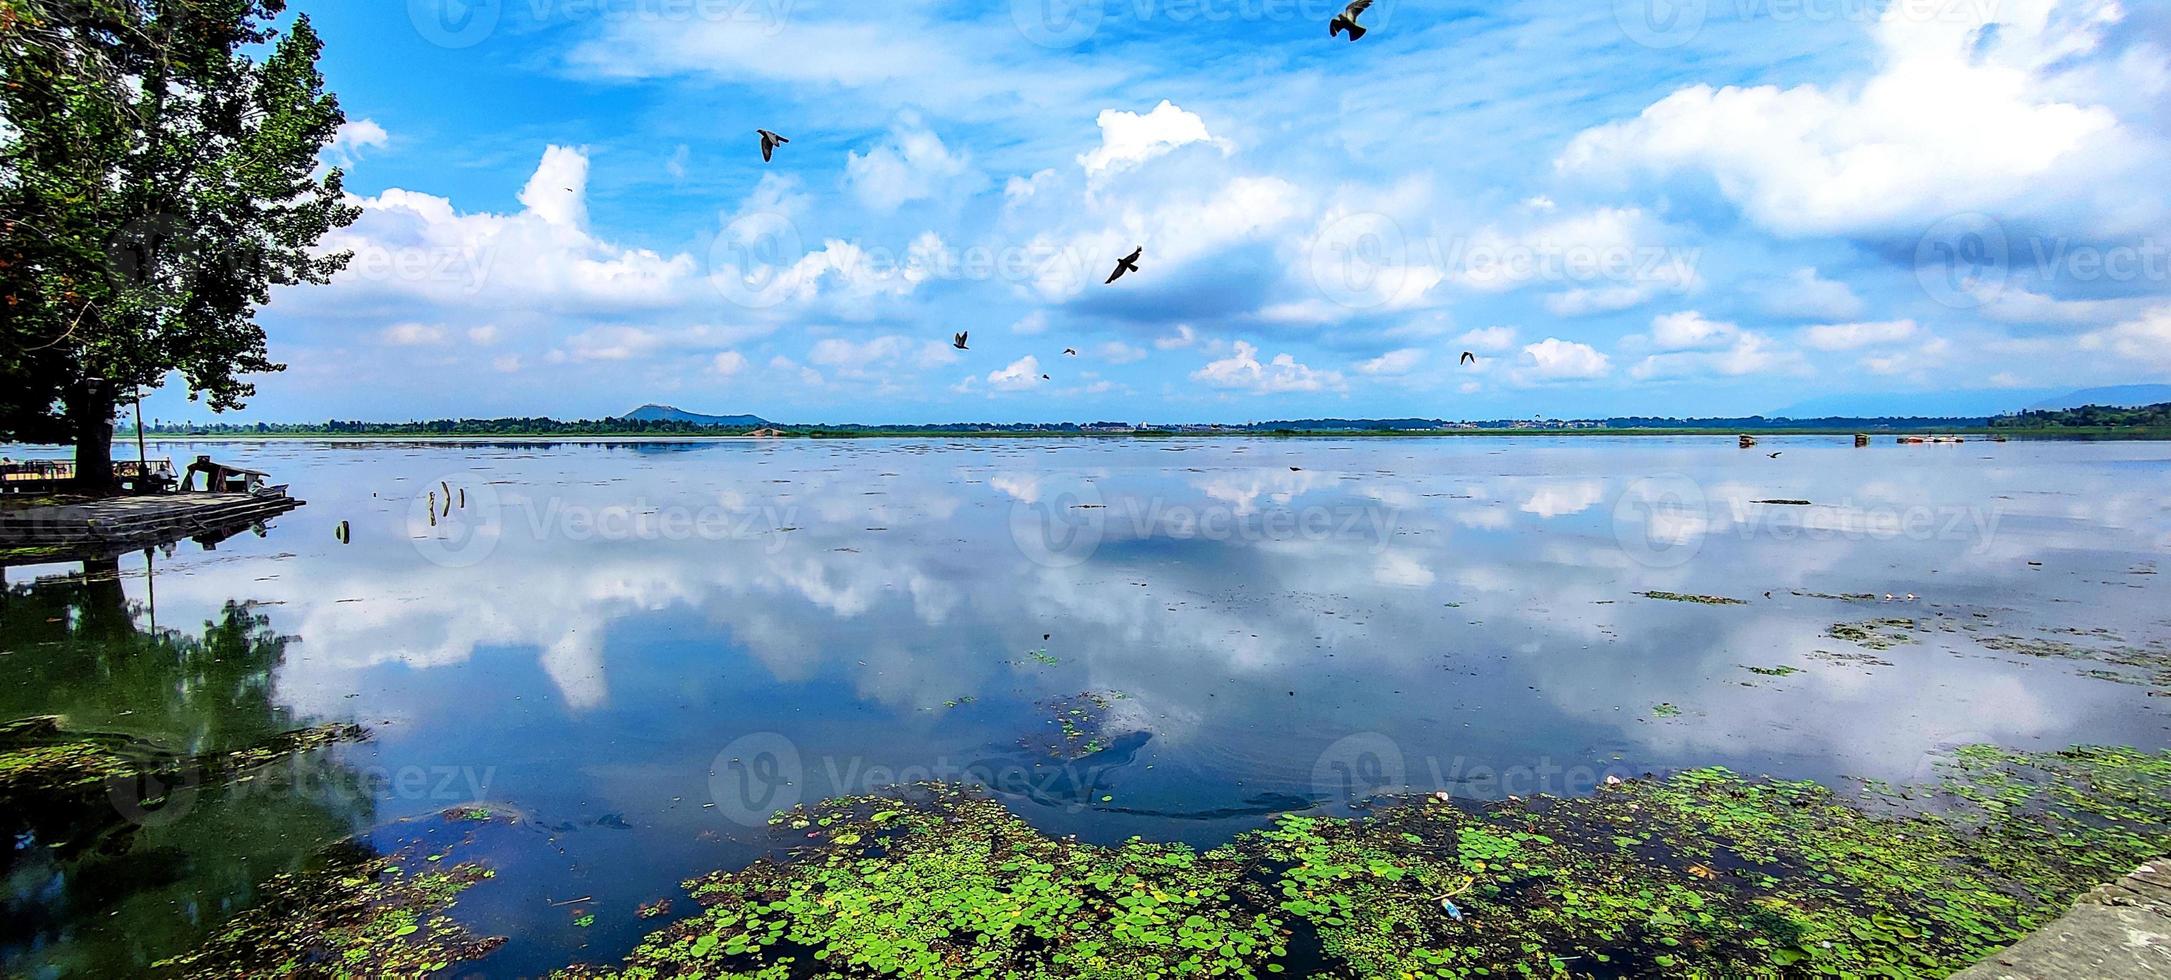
x=645, y=649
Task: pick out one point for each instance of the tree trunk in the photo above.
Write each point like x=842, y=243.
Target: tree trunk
x=90, y=412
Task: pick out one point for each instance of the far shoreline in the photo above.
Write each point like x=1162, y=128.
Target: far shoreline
x=2150, y=434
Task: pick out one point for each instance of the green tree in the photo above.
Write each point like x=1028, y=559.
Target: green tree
x=159, y=174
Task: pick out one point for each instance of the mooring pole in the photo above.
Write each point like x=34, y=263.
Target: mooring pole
x=143, y=462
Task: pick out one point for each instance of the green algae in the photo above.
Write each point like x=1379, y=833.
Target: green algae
x=1875, y=634
x=1080, y=723
x=1704, y=600
x=1783, y=670
x=1703, y=873
x=360, y=915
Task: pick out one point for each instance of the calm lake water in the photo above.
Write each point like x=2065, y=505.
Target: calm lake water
x=646, y=648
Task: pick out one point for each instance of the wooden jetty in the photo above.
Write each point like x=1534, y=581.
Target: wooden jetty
x=72, y=530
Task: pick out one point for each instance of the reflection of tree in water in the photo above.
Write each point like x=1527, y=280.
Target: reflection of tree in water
x=77, y=647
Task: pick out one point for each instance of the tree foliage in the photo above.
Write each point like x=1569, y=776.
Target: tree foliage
x=159, y=174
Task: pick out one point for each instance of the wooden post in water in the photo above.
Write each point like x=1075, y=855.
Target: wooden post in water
x=1861, y=440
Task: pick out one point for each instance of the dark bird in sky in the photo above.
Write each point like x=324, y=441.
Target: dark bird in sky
x=1775, y=455
x=1469, y=358
x=1046, y=378
x=769, y=142
x=1128, y=263
x=959, y=342
x=1347, y=21
x=1070, y=352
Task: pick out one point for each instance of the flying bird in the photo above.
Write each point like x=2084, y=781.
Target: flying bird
x=769, y=142
x=1469, y=358
x=1128, y=263
x=1070, y=352
x=1347, y=21
x=1046, y=378
x=1775, y=455
x=959, y=342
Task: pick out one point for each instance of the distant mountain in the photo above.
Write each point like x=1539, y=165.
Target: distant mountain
x=2117, y=396
x=666, y=413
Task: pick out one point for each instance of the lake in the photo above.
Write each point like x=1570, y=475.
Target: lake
x=644, y=649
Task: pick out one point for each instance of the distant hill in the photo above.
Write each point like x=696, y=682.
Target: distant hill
x=2117, y=396
x=666, y=413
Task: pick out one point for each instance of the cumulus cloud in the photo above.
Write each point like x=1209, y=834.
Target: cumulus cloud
x=1182, y=338
x=418, y=247
x=1960, y=115
x=728, y=364
x=413, y=335
x=913, y=165
x=1242, y=371
x=878, y=355
x=354, y=137
x=1393, y=363
x=1853, y=336
x=1129, y=139
x=1691, y=330
x=1554, y=359
x=1805, y=294
x=1488, y=339
x=1118, y=352
x=1745, y=353
x=1023, y=374
x=2144, y=342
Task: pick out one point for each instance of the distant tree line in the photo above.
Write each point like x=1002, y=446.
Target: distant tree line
x=2088, y=416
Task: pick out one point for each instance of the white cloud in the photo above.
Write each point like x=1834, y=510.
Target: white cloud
x=1022, y=374
x=1959, y=116
x=1690, y=330
x=1915, y=361
x=1242, y=371
x=1182, y=338
x=412, y=335
x=727, y=364
x=1853, y=336
x=1129, y=139
x=1393, y=363
x=418, y=247
x=1032, y=324
x=558, y=193
x=1747, y=353
x=616, y=343
x=878, y=355
x=1553, y=359
x=483, y=336
x=913, y=165
x=354, y=137
x=1488, y=340
x=2143, y=343
x=1807, y=295
x=1118, y=352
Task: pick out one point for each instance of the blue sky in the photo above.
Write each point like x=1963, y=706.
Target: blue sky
x=1642, y=206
